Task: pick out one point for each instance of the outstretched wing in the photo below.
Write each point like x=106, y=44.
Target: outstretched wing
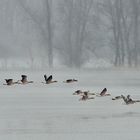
x=24, y=78
x=103, y=92
x=6, y=80
x=45, y=77
x=49, y=78
x=9, y=81
x=69, y=80
x=75, y=80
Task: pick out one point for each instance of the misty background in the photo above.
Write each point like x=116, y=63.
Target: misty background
x=40, y=34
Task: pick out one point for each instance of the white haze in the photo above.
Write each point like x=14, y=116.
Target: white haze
x=37, y=111
x=94, y=41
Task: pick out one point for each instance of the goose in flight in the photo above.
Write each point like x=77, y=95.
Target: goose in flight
x=78, y=92
x=117, y=97
x=49, y=79
x=128, y=100
x=10, y=82
x=103, y=93
x=85, y=97
x=70, y=81
x=24, y=80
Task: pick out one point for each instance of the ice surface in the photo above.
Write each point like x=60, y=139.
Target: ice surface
x=50, y=112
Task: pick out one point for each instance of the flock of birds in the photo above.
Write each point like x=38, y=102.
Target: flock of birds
x=48, y=80
x=85, y=95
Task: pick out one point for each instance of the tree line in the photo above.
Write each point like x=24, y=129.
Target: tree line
x=76, y=31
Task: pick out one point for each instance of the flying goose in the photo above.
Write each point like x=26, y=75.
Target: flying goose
x=24, y=80
x=128, y=100
x=70, y=81
x=10, y=82
x=117, y=98
x=85, y=97
x=78, y=92
x=49, y=79
x=103, y=93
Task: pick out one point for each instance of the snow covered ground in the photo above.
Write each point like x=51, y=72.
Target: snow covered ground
x=50, y=112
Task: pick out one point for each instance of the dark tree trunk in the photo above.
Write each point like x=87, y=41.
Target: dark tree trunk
x=50, y=33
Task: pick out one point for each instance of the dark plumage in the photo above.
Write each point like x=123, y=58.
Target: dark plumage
x=70, y=80
x=77, y=92
x=128, y=100
x=9, y=81
x=117, y=98
x=24, y=80
x=103, y=92
x=49, y=79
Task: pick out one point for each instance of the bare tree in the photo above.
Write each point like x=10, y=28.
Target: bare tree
x=136, y=10
x=50, y=31
x=76, y=19
x=127, y=26
x=45, y=25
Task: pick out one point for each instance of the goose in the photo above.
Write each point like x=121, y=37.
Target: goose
x=70, y=81
x=85, y=97
x=49, y=79
x=24, y=80
x=128, y=100
x=103, y=93
x=10, y=82
x=78, y=92
x=117, y=98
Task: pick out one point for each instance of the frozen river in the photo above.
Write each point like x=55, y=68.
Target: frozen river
x=50, y=112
